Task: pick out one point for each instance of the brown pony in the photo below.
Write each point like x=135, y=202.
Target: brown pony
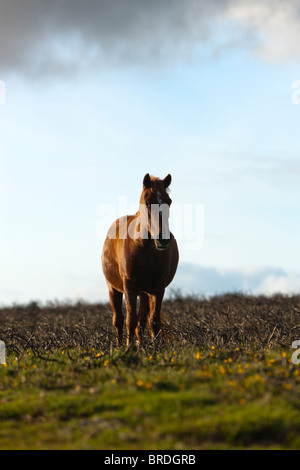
x=139, y=259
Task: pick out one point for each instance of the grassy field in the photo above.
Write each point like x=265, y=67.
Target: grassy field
x=220, y=377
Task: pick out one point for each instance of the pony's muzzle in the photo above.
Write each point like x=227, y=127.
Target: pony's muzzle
x=162, y=244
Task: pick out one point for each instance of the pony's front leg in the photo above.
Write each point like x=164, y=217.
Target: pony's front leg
x=154, y=317
x=115, y=298
x=131, y=315
x=142, y=318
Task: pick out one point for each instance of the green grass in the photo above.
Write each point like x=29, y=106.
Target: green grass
x=183, y=398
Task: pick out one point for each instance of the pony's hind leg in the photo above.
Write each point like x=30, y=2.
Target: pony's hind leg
x=115, y=299
x=142, y=317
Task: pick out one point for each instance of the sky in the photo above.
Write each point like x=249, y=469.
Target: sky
x=95, y=95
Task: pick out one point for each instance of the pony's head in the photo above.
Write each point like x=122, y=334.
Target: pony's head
x=155, y=204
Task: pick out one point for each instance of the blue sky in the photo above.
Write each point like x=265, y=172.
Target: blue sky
x=79, y=134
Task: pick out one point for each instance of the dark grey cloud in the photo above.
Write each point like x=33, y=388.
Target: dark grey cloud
x=42, y=37
x=64, y=36
x=38, y=36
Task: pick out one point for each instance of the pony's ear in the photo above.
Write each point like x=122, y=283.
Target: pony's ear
x=167, y=180
x=147, y=181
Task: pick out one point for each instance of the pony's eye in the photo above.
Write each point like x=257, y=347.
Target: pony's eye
x=148, y=203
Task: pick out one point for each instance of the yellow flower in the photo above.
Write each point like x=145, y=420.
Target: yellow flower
x=208, y=374
x=140, y=383
x=242, y=401
x=106, y=362
x=253, y=379
x=198, y=355
x=287, y=386
x=232, y=384
x=222, y=370
x=98, y=354
x=148, y=385
x=283, y=354
x=259, y=378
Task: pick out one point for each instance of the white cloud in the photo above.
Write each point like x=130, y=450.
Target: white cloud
x=189, y=280
x=275, y=23
x=287, y=283
x=193, y=279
